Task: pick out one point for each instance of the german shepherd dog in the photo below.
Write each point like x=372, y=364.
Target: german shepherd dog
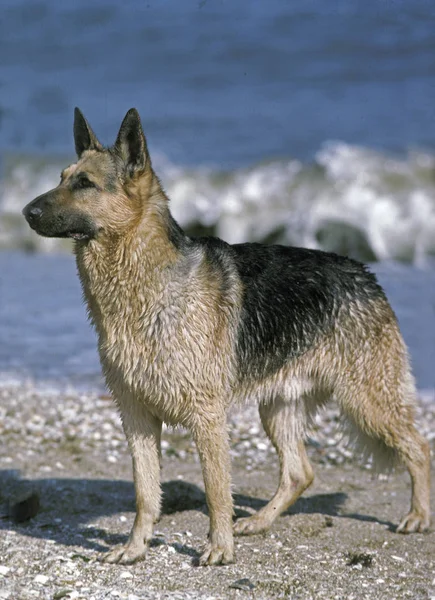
x=186, y=327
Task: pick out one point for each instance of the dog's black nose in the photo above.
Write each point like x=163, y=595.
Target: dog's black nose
x=33, y=213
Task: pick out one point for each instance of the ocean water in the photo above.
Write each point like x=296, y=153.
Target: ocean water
x=218, y=81
x=306, y=122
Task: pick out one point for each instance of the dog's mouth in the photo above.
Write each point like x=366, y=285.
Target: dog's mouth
x=78, y=235
x=74, y=235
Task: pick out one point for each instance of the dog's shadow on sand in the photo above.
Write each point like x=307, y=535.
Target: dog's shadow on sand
x=69, y=508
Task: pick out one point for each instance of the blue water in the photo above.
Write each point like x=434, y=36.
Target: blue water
x=240, y=101
x=220, y=82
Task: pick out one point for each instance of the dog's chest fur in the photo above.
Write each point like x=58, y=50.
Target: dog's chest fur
x=160, y=334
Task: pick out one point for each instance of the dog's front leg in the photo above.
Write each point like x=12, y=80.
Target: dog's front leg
x=212, y=442
x=143, y=434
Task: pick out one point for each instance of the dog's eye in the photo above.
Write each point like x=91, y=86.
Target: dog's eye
x=83, y=182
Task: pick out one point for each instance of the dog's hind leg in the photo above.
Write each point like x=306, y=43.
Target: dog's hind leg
x=284, y=423
x=143, y=434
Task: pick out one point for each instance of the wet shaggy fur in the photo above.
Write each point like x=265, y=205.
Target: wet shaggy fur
x=186, y=327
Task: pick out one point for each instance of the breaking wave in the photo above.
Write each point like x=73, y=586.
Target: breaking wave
x=351, y=200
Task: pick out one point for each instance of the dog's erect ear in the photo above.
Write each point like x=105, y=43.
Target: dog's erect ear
x=84, y=137
x=131, y=145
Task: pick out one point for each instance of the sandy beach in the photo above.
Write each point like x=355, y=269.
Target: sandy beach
x=64, y=462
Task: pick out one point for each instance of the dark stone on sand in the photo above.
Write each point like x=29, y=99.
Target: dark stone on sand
x=25, y=509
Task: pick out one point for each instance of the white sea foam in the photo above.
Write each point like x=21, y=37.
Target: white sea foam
x=351, y=200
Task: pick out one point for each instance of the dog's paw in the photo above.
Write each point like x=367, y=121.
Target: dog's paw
x=250, y=526
x=414, y=522
x=126, y=554
x=217, y=555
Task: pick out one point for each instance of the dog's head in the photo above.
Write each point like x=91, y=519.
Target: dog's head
x=103, y=192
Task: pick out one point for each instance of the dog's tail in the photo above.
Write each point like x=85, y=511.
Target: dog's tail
x=377, y=396
x=376, y=392
x=368, y=447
